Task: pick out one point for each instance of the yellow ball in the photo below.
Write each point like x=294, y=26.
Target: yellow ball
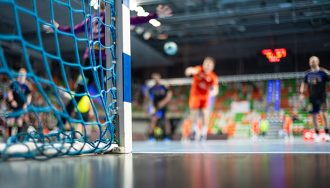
x=158, y=131
x=83, y=104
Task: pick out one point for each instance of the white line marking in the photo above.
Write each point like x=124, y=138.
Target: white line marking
x=232, y=152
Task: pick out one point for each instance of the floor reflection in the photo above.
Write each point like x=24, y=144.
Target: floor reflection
x=239, y=170
x=171, y=170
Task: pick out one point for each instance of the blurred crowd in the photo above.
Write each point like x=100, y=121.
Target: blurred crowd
x=293, y=116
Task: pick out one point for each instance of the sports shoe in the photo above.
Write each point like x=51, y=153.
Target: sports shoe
x=317, y=138
x=327, y=138
x=167, y=139
x=203, y=138
x=12, y=140
x=151, y=139
x=197, y=136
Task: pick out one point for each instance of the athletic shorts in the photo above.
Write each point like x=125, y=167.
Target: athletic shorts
x=13, y=110
x=319, y=106
x=85, y=116
x=160, y=113
x=287, y=128
x=198, y=102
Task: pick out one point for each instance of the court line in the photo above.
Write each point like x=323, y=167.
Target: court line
x=231, y=152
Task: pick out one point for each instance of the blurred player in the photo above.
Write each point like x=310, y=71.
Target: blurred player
x=86, y=109
x=287, y=128
x=264, y=125
x=316, y=79
x=204, y=84
x=2, y=111
x=160, y=96
x=98, y=35
x=19, y=97
x=255, y=129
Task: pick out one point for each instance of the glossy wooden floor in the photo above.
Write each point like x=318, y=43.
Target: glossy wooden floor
x=180, y=169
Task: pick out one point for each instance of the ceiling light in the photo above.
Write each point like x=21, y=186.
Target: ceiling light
x=147, y=35
x=155, y=22
x=139, y=30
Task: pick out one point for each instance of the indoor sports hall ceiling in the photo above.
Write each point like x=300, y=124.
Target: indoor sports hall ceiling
x=29, y=28
x=234, y=30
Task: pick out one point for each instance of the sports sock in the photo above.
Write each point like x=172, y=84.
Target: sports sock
x=204, y=130
x=9, y=131
x=19, y=130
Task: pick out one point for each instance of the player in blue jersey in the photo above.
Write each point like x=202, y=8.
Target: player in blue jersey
x=19, y=97
x=316, y=80
x=160, y=96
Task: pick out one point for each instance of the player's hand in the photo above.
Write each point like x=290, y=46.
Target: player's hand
x=56, y=24
x=49, y=29
x=14, y=104
x=163, y=11
x=160, y=105
x=213, y=93
x=91, y=115
x=25, y=106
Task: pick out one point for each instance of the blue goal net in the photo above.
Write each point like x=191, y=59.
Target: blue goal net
x=58, y=77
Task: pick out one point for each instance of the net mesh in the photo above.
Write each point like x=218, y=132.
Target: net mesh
x=73, y=108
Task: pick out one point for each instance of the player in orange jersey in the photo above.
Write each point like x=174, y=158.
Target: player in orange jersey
x=204, y=84
x=287, y=128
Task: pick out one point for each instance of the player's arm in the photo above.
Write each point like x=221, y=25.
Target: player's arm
x=215, y=90
x=162, y=11
x=136, y=20
x=191, y=71
x=302, y=87
x=28, y=98
x=149, y=94
x=10, y=96
x=79, y=28
x=166, y=100
x=91, y=110
x=11, y=99
x=327, y=73
x=325, y=70
x=215, y=87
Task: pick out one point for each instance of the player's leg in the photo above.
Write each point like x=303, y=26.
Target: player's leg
x=168, y=130
x=291, y=132
x=19, y=122
x=83, y=131
x=315, y=112
x=194, y=117
x=205, y=122
x=10, y=125
x=194, y=105
x=324, y=114
x=152, y=125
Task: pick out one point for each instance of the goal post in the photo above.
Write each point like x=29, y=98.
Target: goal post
x=123, y=69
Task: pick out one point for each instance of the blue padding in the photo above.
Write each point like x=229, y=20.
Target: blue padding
x=127, y=77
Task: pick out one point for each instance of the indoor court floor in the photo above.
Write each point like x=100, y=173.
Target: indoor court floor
x=271, y=163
